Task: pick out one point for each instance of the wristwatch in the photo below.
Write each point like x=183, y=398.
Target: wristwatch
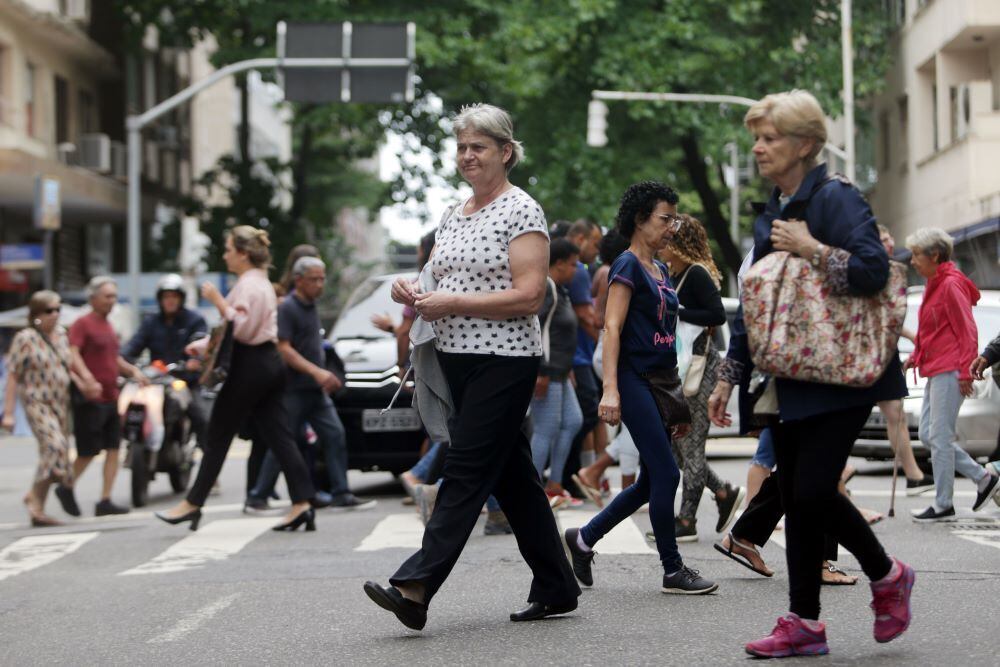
x=817, y=255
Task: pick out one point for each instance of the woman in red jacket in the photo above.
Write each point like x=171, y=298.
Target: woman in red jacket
x=947, y=342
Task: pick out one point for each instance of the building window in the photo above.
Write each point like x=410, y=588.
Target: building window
x=934, y=115
x=903, y=107
x=88, y=113
x=62, y=110
x=30, y=76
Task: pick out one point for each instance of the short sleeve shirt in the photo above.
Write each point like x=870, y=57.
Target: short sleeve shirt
x=579, y=295
x=98, y=345
x=299, y=324
x=472, y=256
x=647, y=338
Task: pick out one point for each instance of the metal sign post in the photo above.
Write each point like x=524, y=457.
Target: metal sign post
x=135, y=123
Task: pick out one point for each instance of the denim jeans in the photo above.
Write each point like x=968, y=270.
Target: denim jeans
x=557, y=419
x=938, y=419
x=314, y=407
x=423, y=467
x=658, y=472
x=764, y=456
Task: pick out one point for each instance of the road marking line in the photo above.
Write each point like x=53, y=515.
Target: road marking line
x=989, y=538
x=625, y=538
x=217, y=541
x=396, y=531
x=191, y=623
x=33, y=552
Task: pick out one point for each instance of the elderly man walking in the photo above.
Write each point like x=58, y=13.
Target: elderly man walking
x=309, y=384
x=96, y=425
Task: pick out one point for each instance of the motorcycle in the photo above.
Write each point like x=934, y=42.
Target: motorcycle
x=157, y=430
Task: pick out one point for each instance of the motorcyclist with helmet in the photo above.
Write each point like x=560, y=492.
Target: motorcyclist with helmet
x=165, y=334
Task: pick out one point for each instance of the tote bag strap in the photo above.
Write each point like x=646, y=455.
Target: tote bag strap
x=548, y=319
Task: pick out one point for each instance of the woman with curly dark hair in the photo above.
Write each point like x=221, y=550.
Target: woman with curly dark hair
x=693, y=271
x=640, y=378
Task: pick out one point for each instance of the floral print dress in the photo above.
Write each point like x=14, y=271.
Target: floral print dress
x=41, y=371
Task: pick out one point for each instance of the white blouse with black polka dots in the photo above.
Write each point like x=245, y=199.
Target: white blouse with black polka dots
x=471, y=255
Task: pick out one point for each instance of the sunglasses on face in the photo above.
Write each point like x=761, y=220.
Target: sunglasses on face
x=53, y=309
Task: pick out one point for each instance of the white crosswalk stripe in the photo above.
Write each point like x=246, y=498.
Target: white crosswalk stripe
x=625, y=538
x=989, y=538
x=33, y=552
x=396, y=531
x=216, y=541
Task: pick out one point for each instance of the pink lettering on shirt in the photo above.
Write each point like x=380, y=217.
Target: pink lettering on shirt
x=663, y=340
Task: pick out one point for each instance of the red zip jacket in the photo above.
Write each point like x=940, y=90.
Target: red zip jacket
x=947, y=338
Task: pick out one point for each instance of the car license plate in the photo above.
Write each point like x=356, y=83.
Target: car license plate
x=876, y=420
x=394, y=420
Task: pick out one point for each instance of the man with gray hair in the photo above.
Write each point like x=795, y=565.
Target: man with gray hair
x=307, y=400
x=96, y=425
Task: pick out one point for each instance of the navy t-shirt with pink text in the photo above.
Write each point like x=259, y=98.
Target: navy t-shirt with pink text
x=648, y=335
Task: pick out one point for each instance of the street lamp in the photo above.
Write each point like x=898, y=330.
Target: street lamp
x=597, y=124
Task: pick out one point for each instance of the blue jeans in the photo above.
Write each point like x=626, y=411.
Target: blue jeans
x=658, y=472
x=764, y=456
x=938, y=418
x=557, y=418
x=423, y=467
x=314, y=407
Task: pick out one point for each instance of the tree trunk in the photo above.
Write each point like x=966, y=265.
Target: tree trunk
x=718, y=225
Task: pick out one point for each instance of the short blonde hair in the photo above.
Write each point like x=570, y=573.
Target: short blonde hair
x=494, y=122
x=254, y=242
x=794, y=114
x=931, y=240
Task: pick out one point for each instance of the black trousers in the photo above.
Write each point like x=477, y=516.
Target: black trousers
x=488, y=454
x=764, y=512
x=811, y=453
x=254, y=390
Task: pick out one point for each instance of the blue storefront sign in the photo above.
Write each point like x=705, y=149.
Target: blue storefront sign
x=22, y=256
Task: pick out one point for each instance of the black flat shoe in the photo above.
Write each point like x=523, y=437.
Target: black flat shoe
x=411, y=614
x=194, y=516
x=537, y=611
x=308, y=518
x=581, y=560
x=68, y=501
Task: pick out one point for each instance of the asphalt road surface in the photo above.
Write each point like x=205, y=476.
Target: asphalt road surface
x=134, y=591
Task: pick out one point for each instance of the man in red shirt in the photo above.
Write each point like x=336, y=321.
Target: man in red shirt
x=96, y=424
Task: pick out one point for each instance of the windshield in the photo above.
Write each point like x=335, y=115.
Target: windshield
x=370, y=298
x=987, y=322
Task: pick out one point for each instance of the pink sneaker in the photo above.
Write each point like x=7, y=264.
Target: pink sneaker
x=790, y=637
x=891, y=603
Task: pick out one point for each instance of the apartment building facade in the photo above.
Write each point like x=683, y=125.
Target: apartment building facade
x=66, y=85
x=937, y=129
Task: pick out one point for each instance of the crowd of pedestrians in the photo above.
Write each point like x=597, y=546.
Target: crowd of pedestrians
x=528, y=353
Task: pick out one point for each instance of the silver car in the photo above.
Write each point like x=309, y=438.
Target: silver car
x=979, y=416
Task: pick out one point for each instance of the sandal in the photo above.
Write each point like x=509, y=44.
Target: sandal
x=871, y=516
x=740, y=558
x=837, y=577
x=592, y=492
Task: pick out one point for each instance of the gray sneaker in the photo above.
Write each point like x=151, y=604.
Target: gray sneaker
x=349, y=501
x=425, y=495
x=687, y=582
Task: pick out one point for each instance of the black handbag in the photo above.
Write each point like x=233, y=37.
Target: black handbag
x=218, y=356
x=668, y=393
x=335, y=364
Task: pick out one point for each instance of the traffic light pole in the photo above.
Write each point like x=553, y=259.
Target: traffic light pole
x=135, y=123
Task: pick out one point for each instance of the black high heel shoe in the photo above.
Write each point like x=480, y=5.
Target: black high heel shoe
x=194, y=516
x=307, y=517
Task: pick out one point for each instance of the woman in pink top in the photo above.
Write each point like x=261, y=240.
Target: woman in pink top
x=255, y=383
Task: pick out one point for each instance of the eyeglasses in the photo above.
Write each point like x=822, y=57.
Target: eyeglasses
x=673, y=220
x=54, y=309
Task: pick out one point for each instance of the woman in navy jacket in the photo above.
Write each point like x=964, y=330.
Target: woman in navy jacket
x=825, y=220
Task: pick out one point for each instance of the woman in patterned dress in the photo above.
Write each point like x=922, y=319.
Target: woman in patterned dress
x=39, y=373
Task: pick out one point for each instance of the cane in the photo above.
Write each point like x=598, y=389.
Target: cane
x=892, y=494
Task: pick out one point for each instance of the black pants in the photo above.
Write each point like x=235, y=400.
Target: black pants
x=811, y=453
x=764, y=512
x=254, y=390
x=488, y=454
x=588, y=394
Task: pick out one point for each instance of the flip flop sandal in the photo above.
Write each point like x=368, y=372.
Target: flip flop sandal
x=742, y=560
x=593, y=493
x=836, y=570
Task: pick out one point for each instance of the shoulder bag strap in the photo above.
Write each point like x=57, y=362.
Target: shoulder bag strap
x=548, y=318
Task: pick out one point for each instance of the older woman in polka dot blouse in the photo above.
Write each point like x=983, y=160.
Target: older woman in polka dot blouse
x=490, y=262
